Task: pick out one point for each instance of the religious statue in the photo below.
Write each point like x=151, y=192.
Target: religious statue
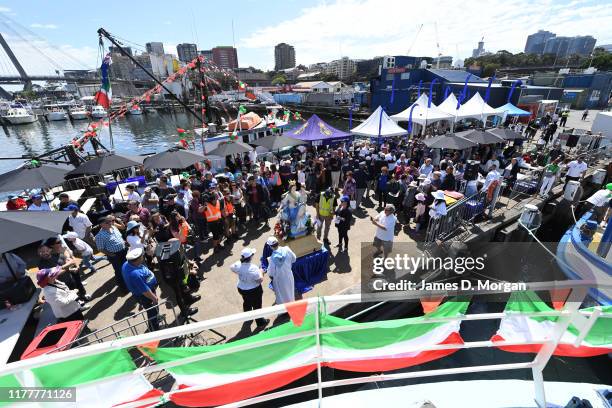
x=294, y=220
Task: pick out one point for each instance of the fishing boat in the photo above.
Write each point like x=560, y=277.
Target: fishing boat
x=135, y=110
x=78, y=113
x=250, y=128
x=56, y=114
x=19, y=115
x=98, y=112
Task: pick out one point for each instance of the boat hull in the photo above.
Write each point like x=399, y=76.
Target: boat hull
x=98, y=115
x=79, y=115
x=56, y=116
x=136, y=112
x=20, y=120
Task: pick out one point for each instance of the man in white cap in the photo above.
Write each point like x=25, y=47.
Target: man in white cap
x=142, y=284
x=83, y=250
x=250, y=277
x=279, y=270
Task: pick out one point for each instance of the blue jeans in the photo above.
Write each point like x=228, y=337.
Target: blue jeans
x=86, y=263
x=152, y=312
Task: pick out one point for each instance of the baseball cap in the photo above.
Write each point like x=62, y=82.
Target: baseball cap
x=134, y=254
x=43, y=275
x=71, y=207
x=420, y=197
x=247, y=252
x=345, y=199
x=272, y=241
x=37, y=197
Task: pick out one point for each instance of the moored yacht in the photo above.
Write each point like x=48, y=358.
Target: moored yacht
x=19, y=116
x=98, y=112
x=56, y=114
x=78, y=113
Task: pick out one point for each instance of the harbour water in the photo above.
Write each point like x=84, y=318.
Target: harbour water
x=131, y=135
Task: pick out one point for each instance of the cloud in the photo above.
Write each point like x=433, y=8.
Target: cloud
x=45, y=26
x=4, y=9
x=368, y=28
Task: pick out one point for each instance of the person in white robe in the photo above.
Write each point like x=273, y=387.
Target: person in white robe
x=279, y=269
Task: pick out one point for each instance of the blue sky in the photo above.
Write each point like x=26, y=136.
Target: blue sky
x=319, y=30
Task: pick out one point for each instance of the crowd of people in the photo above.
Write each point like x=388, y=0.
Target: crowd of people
x=407, y=181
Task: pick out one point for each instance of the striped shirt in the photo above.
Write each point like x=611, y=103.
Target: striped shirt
x=110, y=241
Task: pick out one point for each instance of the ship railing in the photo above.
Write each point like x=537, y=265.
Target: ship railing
x=570, y=314
x=459, y=215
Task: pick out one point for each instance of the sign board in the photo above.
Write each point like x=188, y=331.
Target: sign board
x=396, y=70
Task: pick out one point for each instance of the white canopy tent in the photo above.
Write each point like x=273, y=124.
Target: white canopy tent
x=476, y=108
x=379, y=120
x=449, y=105
x=421, y=113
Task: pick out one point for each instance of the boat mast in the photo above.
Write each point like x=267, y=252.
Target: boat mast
x=105, y=34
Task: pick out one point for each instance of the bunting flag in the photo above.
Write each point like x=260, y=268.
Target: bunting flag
x=112, y=372
x=241, y=85
x=387, y=345
x=242, y=110
x=517, y=327
x=250, y=95
x=104, y=96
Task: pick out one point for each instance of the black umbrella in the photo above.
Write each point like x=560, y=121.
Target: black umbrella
x=480, y=136
x=277, y=142
x=505, y=133
x=230, y=148
x=25, y=227
x=173, y=159
x=104, y=164
x=449, y=141
x=44, y=176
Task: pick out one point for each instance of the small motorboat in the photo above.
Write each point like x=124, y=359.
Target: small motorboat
x=78, y=113
x=56, y=114
x=19, y=116
x=98, y=112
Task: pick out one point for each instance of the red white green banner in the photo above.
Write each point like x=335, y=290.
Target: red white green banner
x=102, y=380
x=384, y=345
x=517, y=327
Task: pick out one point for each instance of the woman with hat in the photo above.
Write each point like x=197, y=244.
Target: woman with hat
x=343, y=220
x=64, y=302
x=15, y=203
x=133, y=236
x=421, y=217
x=250, y=277
x=438, y=208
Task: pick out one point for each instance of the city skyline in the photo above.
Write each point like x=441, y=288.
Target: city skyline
x=387, y=33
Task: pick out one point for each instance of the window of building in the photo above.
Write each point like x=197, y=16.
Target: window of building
x=405, y=75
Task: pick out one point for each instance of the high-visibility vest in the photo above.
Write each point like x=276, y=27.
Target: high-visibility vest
x=229, y=207
x=213, y=213
x=325, y=206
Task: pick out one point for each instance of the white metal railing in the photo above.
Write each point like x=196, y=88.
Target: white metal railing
x=569, y=315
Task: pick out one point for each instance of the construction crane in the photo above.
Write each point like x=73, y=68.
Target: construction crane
x=437, y=46
x=415, y=38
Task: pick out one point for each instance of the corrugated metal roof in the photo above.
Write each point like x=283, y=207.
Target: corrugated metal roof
x=454, y=75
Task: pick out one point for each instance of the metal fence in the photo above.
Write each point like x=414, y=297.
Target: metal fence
x=459, y=215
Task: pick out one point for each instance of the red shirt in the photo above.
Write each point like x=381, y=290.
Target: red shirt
x=17, y=204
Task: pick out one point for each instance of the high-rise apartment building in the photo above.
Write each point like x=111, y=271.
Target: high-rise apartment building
x=284, y=56
x=187, y=52
x=155, y=48
x=225, y=57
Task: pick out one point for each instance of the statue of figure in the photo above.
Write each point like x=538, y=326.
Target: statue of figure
x=293, y=212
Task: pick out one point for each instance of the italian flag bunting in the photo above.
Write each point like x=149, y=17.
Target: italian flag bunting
x=386, y=345
x=517, y=327
x=105, y=379
x=241, y=85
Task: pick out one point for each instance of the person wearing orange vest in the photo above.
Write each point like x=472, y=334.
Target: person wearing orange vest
x=229, y=215
x=214, y=219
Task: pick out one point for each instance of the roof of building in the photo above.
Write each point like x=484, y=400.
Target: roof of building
x=309, y=75
x=306, y=84
x=454, y=75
